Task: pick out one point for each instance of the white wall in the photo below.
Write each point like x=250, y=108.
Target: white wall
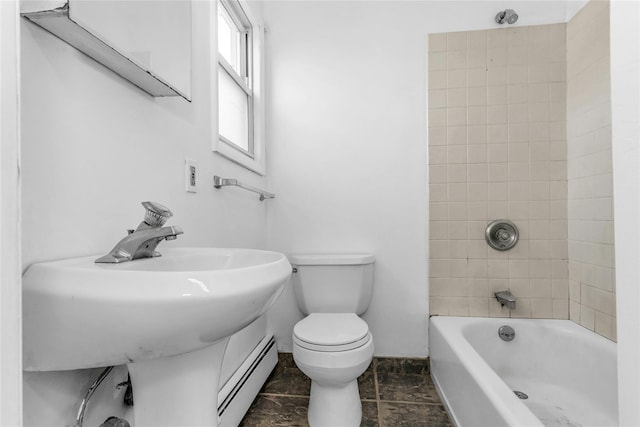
x=348, y=146
x=10, y=271
x=625, y=98
x=94, y=147
x=346, y=114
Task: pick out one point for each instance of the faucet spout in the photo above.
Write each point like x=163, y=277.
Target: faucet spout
x=506, y=298
x=142, y=242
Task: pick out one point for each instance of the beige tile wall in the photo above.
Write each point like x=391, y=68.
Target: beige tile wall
x=590, y=185
x=497, y=149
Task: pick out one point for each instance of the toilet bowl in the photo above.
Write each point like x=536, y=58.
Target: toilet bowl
x=332, y=345
x=333, y=350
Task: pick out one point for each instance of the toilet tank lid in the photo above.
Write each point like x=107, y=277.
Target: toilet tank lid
x=332, y=259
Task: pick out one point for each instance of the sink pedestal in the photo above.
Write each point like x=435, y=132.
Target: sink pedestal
x=179, y=390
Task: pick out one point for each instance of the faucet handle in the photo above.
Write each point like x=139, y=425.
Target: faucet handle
x=156, y=214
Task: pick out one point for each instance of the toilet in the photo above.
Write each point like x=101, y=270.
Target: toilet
x=333, y=345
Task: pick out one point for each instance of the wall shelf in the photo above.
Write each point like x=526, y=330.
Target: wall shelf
x=59, y=23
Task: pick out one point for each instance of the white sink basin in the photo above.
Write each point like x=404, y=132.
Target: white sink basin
x=79, y=314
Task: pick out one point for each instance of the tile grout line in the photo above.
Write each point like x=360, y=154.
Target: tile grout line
x=408, y=402
x=305, y=396
x=377, y=389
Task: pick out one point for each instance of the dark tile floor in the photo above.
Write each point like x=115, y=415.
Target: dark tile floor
x=394, y=393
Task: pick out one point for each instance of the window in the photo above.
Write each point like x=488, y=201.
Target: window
x=239, y=101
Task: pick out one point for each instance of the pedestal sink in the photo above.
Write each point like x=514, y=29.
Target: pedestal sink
x=167, y=318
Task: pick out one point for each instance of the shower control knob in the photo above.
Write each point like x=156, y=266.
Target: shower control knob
x=501, y=234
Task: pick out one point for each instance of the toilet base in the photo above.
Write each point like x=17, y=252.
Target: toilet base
x=334, y=400
x=332, y=405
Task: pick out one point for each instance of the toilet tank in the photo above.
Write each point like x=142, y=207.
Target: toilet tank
x=333, y=283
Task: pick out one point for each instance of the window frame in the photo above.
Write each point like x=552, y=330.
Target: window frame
x=251, y=64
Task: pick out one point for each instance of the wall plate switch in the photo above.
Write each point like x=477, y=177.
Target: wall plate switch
x=190, y=175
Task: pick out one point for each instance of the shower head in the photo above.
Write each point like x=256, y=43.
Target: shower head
x=509, y=16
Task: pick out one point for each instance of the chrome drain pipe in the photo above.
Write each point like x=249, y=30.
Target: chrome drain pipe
x=87, y=396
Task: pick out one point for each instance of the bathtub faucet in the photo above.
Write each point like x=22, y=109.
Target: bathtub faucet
x=506, y=298
x=142, y=242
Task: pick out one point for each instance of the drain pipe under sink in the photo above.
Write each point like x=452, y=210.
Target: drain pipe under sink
x=109, y=422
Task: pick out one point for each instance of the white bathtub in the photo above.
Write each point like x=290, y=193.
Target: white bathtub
x=568, y=373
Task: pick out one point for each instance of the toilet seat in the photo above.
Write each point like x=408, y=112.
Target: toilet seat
x=331, y=332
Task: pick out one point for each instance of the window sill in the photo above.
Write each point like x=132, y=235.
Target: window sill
x=254, y=164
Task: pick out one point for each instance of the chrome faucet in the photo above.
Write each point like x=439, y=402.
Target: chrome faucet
x=506, y=298
x=142, y=242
